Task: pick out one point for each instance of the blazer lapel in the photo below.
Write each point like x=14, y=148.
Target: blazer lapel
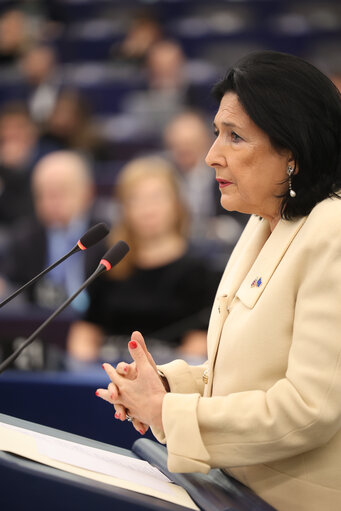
x=246, y=251
x=244, y=257
x=267, y=261
x=252, y=266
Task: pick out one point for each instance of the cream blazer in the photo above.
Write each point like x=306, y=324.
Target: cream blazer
x=270, y=412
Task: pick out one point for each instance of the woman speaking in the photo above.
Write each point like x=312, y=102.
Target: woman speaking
x=266, y=407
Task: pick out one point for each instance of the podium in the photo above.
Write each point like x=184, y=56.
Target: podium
x=34, y=486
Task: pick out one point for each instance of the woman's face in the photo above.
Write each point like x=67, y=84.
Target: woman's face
x=150, y=208
x=249, y=171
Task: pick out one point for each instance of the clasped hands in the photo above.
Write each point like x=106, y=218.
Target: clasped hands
x=136, y=389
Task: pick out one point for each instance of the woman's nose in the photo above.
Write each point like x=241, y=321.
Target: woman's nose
x=214, y=157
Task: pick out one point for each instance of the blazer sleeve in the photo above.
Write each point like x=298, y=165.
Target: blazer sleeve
x=182, y=379
x=300, y=412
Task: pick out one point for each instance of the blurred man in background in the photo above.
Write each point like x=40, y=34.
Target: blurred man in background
x=165, y=91
x=187, y=138
x=63, y=194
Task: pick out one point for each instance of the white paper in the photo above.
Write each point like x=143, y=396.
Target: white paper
x=104, y=462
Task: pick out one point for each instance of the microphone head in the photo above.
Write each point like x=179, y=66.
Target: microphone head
x=93, y=236
x=114, y=255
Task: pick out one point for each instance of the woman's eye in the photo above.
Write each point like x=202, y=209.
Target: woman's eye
x=235, y=137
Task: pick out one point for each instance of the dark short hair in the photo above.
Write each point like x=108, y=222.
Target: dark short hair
x=299, y=108
x=15, y=108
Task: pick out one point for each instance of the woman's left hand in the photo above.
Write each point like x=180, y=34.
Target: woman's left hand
x=142, y=396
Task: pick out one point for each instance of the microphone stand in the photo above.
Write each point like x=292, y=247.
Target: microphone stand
x=111, y=257
x=33, y=336
x=37, y=277
x=91, y=237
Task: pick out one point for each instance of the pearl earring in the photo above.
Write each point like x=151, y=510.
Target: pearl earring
x=290, y=173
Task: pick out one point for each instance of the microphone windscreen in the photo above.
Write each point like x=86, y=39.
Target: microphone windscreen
x=115, y=254
x=93, y=236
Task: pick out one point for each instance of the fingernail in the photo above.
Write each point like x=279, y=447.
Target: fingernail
x=132, y=345
x=141, y=431
x=117, y=415
x=97, y=393
x=111, y=396
x=125, y=369
x=103, y=366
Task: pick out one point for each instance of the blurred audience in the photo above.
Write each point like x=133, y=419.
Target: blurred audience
x=165, y=66
x=20, y=149
x=160, y=287
x=143, y=32
x=187, y=138
x=166, y=88
x=63, y=194
x=41, y=75
x=71, y=125
x=14, y=35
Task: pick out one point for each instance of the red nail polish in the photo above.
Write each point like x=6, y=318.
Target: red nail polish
x=117, y=416
x=111, y=396
x=125, y=369
x=97, y=393
x=103, y=366
x=141, y=431
x=133, y=345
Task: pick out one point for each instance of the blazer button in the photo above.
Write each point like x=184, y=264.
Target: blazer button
x=205, y=376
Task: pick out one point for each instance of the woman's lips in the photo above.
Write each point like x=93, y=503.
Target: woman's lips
x=223, y=183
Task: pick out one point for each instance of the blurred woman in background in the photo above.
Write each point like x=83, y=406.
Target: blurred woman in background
x=160, y=284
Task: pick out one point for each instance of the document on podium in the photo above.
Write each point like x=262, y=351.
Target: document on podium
x=97, y=464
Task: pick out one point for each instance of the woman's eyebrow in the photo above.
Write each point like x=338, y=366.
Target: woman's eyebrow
x=227, y=125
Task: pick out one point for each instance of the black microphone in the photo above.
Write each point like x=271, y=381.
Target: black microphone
x=91, y=237
x=110, y=258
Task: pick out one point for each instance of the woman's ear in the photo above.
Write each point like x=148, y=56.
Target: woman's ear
x=292, y=162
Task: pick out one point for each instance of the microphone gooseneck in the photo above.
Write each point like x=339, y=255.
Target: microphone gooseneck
x=91, y=237
x=110, y=258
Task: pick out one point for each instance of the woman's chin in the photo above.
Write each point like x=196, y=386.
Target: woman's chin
x=231, y=204
x=228, y=203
